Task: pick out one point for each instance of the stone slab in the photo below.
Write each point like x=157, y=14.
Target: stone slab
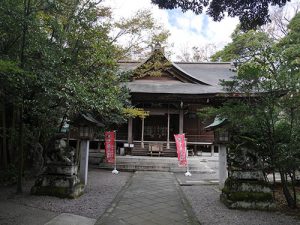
x=166, y=164
x=150, y=198
x=248, y=175
x=16, y=214
x=71, y=219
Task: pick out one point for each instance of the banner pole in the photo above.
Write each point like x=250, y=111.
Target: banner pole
x=115, y=171
x=187, y=174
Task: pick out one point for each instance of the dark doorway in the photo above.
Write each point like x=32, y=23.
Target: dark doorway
x=156, y=127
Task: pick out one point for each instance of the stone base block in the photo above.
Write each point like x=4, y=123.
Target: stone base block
x=247, y=194
x=59, y=186
x=67, y=170
x=240, y=185
x=247, y=175
x=242, y=204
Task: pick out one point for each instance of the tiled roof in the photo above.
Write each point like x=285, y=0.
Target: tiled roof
x=172, y=88
x=210, y=73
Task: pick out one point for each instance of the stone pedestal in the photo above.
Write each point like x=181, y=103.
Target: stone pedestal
x=59, y=180
x=247, y=190
x=222, y=165
x=84, y=161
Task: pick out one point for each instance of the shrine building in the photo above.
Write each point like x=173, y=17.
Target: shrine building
x=171, y=93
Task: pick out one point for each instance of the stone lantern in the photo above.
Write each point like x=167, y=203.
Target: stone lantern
x=221, y=138
x=86, y=132
x=87, y=126
x=245, y=187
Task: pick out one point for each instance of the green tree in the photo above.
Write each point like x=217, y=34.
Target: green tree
x=244, y=46
x=56, y=59
x=251, y=13
x=136, y=36
x=267, y=117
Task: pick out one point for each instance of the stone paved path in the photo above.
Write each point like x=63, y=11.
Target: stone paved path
x=150, y=198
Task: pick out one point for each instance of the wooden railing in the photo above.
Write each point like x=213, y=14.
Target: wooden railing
x=200, y=138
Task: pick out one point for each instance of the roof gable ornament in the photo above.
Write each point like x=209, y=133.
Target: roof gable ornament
x=157, y=46
x=157, y=65
x=154, y=66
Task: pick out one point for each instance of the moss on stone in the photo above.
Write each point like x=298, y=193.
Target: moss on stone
x=249, y=196
x=230, y=181
x=61, y=192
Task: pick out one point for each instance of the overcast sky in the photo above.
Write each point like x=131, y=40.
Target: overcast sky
x=187, y=29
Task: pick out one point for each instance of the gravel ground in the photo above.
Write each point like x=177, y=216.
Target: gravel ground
x=209, y=210
x=102, y=188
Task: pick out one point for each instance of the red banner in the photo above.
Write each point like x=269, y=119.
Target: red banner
x=181, y=149
x=110, y=146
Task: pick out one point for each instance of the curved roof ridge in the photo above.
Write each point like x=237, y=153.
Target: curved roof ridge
x=183, y=71
x=221, y=63
x=136, y=61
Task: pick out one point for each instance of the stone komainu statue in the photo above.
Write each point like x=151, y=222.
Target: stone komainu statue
x=244, y=159
x=36, y=156
x=60, y=175
x=58, y=151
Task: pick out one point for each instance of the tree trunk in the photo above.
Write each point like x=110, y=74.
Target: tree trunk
x=274, y=183
x=11, y=145
x=4, y=136
x=293, y=178
x=289, y=199
x=21, y=152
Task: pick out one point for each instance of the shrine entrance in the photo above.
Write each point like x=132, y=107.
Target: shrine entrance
x=156, y=127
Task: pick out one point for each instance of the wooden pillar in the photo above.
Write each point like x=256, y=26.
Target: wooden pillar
x=130, y=130
x=142, y=136
x=84, y=160
x=168, y=131
x=222, y=165
x=181, y=121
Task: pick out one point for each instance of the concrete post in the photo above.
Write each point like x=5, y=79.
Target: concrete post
x=181, y=121
x=168, y=131
x=222, y=165
x=142, y=136
x=84, y=160
x=130, y=130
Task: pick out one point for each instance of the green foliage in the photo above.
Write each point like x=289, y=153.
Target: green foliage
x=251, y=13
x=136, y=35
x=56, y=60
x=207, y=113
x=244, y=46
x=267, y=119
x=135, y=112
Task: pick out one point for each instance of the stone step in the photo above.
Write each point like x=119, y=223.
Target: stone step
x=144, y=151
x=165, y=168
x=132, y=163
x=95, y=156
